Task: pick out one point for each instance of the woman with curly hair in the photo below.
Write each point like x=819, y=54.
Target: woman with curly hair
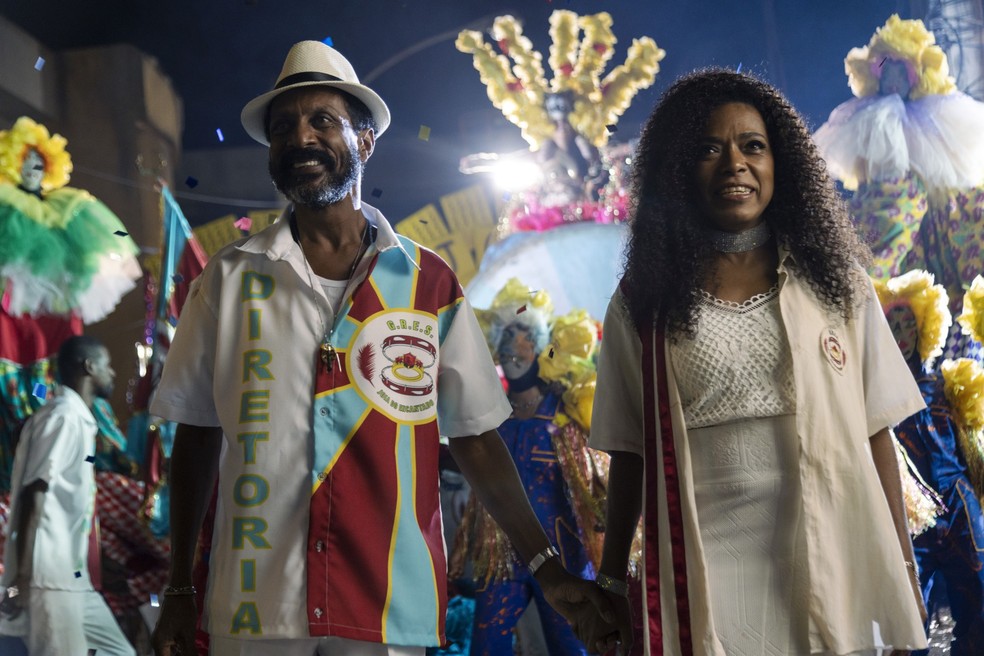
x=746, y=386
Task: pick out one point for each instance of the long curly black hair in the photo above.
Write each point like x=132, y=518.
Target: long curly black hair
x=668, y=255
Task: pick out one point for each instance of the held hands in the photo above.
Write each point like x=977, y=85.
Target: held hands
x=596, y=616
x=602, y=638
x=15, y=598
x=174, y=634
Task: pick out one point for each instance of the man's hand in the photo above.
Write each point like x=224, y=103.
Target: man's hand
x=602, y=638
x=582, y=603
x=174, y=634
x=15, y=599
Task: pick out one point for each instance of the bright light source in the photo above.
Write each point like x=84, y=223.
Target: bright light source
x=515, y=174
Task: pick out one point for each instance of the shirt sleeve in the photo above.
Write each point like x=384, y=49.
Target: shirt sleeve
x=470, y=398
x=55, y=442
x=616, y=419
x=185, y=393
x=890, y=391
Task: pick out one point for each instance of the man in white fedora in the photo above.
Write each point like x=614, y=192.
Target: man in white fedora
x=316, y=365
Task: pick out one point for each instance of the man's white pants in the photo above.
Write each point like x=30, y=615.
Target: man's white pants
x=62, y=623
x=306, y=647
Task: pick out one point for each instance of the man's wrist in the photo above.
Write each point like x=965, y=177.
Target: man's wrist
x=541, y=558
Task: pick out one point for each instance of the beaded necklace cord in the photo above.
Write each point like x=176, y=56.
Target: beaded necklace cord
x=329, y=355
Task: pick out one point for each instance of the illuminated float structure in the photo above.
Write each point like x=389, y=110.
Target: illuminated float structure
x=571, y=176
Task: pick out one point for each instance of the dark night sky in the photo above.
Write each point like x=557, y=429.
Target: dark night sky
x=221, y=53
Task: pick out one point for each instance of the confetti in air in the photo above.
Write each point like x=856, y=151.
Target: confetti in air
x=40, y=391
x=218, y=133
x=328, y=42
x=121, y=233
x=377, y=192
x=191, y=182
x=177, y=278
x=244, y=223
x=424, y=134
x=39, y=64
x=521, y=309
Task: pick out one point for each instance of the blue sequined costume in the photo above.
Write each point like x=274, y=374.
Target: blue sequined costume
x=954, y=547
x=499, y=604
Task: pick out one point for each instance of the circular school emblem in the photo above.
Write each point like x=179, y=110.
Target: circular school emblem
x=833, y=349
x=393, y=363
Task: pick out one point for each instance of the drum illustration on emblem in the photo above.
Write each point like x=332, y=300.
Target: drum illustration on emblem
x=395, y=357
x=410, y=357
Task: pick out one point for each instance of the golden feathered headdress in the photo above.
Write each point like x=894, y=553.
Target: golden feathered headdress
x=963, y=380
x=907, y=41
x=27, y=135
x=519, y=90
x=929, y=305
x=971, y=318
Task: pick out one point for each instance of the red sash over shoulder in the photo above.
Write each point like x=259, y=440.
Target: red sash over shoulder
x=656, y=407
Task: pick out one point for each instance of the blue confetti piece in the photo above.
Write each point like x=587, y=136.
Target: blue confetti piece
x=154, y=601
x=738, y=70
x=40, y=391
x=611, y=128
x=377, y=192
x=78, y=574
x=191, y=182
x=506, y=196
x=218, y=133
x=39, y=64
x=90, y=458
x=328, y=42
x=121, y=233
x=178, y=278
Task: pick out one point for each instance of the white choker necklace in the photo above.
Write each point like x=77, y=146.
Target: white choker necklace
x=740, y=242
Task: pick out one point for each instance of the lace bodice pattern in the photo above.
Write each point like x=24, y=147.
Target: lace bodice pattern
x=739, y=364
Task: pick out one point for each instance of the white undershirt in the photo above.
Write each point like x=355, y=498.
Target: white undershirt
x=335, y=291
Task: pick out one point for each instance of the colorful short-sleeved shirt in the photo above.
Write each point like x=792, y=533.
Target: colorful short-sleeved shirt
x=328, y=518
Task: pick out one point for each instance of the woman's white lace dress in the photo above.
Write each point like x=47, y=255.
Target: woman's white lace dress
x=739, y=400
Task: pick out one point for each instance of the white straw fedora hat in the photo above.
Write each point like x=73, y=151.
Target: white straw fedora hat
x=312, y=63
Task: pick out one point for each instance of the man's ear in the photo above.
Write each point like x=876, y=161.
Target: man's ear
x=367, y=142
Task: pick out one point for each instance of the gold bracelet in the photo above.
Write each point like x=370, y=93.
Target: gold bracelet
x=612, y=584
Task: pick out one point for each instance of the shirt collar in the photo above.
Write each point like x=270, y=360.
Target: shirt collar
x=72, y=398
x=784, y=255
x=277, y=243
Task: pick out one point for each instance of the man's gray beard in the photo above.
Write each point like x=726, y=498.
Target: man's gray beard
x=332, y=191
